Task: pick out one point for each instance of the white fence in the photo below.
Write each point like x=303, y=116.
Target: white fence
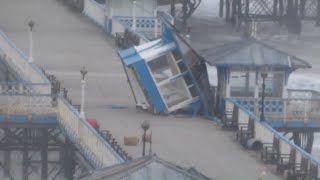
x=266, y=134
x=89, y=142
x=18, y=61
x=95, y=11
x=26, y=105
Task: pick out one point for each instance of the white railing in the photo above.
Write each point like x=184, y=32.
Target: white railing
x=95, y=11
x=89, y=142
x=292, y=109
x=19, y=61
x=147, y=28
x=26, y=105
x=266, y=134
x=25, y=89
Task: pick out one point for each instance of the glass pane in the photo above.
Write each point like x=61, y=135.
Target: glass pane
x=174, y=92
x=242, y=84
x=162, y=68
x=274, y=84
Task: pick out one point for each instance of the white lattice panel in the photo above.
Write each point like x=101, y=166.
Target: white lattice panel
x=86, y=137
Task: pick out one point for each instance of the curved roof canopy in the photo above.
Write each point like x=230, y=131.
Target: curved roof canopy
x=147, y=167
x=253, y=54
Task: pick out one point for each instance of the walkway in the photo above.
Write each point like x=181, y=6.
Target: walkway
x=65, y=41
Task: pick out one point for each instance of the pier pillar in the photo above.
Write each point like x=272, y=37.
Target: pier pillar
x=25, y=161
x=247, y=11
x=227, y=10
x=239, y=13
x=221, y=6
x=233, y=11
x=44, y=153
x=302, y=8
x=318, y=13
x=275, y=9
x=281, y=9
x=7, y=157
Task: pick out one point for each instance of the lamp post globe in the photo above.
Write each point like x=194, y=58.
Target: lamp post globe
x=83, y=72
x=31, y=24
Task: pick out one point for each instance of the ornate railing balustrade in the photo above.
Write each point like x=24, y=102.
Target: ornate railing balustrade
x=17, y=60
x=85, y=137
x=288, y=154
x=306, y=110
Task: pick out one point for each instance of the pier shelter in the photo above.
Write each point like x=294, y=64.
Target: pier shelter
x=252, y=97
x=249, y=70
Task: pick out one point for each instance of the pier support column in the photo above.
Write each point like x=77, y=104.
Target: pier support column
x=227, y=10
x=318, y=13
x=44, y=154
x=68, y=160
x=25, y=161
x=281, y=9
x=7, y=157
x=233, y=12
x=239, y=13
x=221, y=6
x=275, y=9
x=247, y=10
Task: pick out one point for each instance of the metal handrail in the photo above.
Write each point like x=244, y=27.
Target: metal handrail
x=23, y=57
x=303, y=153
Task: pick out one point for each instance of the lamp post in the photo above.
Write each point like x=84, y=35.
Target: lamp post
x=264, y=76
x=83, y=72
x=145, y=126
x=134, y=15
x=31, y=25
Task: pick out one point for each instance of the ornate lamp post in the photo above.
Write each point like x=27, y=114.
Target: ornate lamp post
x=31, y=25
x=145, y=126
x=264, y=76
x=134, y=15
x=83, y=72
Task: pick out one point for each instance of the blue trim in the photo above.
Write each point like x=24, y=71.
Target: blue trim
x=168, y=35
x=41, y=119
x=196, y=106
x=150, y=86
x=23, y=119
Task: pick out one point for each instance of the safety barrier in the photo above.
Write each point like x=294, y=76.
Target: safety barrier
x=25, y=88
x=85, y=137
x=304, y=108
x=19, y=61
x=289, y=153
x=21, y=104
x=95, y=11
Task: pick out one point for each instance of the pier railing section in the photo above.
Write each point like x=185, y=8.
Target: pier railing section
x=85, y=137
x=146, y=28
x=304, y=110
x=23, y=102
x=19, y=61
x=286, y=152
x=19, y=101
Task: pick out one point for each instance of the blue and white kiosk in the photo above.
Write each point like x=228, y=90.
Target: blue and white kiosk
x=161, y=77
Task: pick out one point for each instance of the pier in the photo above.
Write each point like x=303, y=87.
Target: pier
x=41, y=104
